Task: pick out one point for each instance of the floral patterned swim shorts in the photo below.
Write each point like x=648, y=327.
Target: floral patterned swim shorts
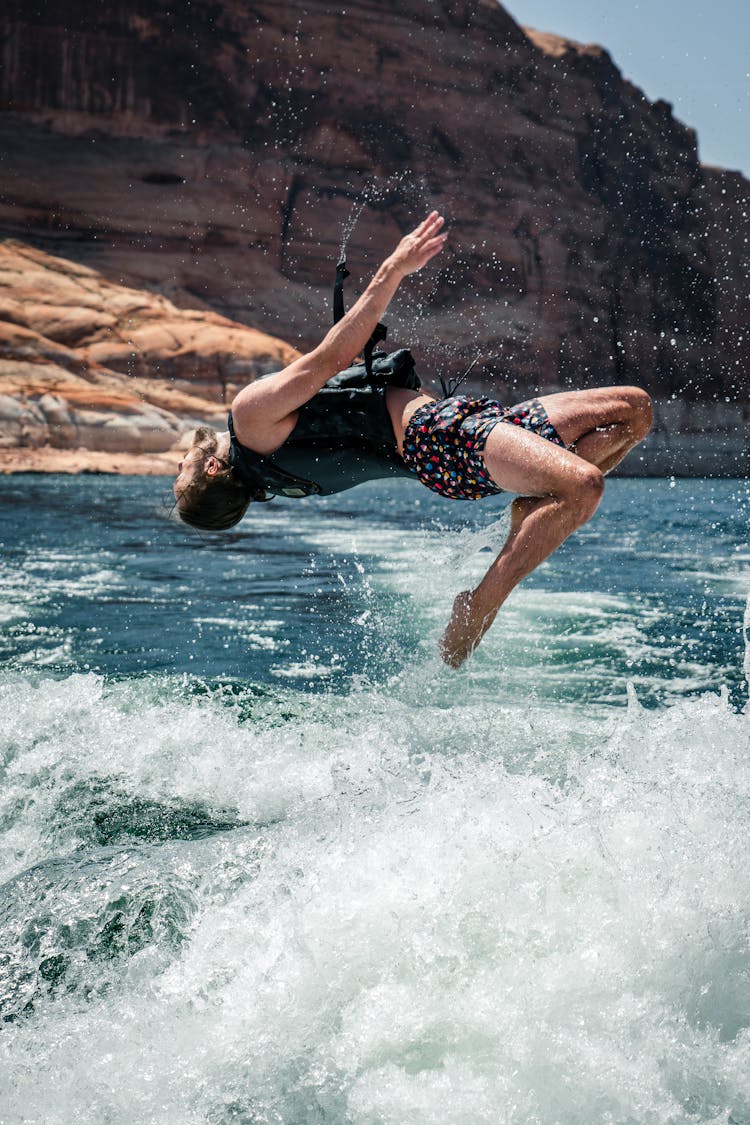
x=444, y=440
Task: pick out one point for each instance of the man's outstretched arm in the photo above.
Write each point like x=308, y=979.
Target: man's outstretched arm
x=262, y=410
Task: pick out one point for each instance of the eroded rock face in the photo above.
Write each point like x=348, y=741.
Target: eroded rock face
x=87, y=365
x=728, y=221
x=217, y=152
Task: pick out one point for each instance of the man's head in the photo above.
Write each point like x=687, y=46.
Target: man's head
x=208, y=494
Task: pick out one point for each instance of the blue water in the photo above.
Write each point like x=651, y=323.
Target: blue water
x=265, y=859
x=319, y=594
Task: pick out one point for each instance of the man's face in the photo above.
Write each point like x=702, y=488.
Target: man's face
x=194, y=459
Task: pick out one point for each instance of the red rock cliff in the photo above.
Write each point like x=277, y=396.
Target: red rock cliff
x=94, y=375
x=215, y=151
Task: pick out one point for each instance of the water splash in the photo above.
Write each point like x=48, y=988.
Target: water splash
x=404, y=895
x=401, y=191
x=457, y=910
x=349, y=226
x=746, y=635
x=465, y=544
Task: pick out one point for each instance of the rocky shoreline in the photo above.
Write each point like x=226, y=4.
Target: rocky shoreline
x=694, y=440
x=47, y=459
x=100, y=377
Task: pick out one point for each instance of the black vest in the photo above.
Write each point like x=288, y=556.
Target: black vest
x=343, y=436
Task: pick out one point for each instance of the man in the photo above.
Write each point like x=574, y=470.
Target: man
x=309, y=429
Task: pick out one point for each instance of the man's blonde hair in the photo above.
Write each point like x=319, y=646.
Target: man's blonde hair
x=216, y=502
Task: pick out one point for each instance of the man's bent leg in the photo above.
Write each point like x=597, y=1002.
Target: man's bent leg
x=601, y=425
x=562, y=492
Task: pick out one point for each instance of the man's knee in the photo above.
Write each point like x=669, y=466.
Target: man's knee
x=584, y=490
x=641, y=411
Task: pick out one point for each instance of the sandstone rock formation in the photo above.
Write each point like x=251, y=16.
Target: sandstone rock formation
x=95, y=375
x=218, y=153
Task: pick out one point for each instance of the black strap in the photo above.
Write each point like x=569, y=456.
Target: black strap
x=338, y=290
x=450, y=388
x=379, y=332
x=262, y=475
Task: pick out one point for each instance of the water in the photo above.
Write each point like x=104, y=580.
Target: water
x=264, y=859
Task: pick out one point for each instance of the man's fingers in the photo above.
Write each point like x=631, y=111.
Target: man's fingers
x=426, y=239
x=432, y=224
x=422, y=244
x=429, y=223
x=432, y=215
x=435, y=244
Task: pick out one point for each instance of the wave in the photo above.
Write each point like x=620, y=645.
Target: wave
x=392, y=904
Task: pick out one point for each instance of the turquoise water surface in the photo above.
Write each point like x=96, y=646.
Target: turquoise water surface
x=265, y=859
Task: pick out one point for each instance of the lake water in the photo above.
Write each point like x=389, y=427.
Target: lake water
x=265, y=859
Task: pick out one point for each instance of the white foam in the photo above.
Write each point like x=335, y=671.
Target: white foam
x=437, y=913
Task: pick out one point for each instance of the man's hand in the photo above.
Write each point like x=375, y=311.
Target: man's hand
x=415, y=249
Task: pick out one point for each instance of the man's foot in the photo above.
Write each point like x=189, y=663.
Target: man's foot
x=467, y=626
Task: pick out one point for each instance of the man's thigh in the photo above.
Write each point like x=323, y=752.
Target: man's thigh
x=521, y=461
x=574, y=413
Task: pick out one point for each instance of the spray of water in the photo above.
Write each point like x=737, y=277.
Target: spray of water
x=505, y=894
x=746, y=634
x=370, y=912
x=402, y=191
